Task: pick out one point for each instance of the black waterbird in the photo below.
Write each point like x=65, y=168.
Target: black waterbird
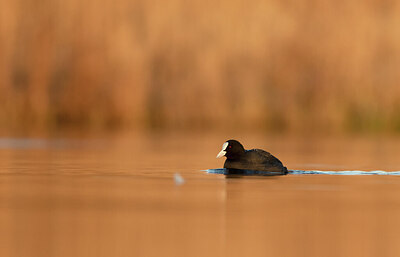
x=255, y=159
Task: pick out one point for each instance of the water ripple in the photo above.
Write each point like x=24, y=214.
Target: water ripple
x=302, y=172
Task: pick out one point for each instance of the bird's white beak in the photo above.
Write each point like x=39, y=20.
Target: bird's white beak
x=223, y=152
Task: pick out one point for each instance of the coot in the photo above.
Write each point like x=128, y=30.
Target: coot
x=255, y=159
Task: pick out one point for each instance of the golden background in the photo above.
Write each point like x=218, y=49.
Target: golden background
x=293, y=66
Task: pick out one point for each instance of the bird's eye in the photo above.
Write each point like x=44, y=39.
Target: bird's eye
x=230, y=147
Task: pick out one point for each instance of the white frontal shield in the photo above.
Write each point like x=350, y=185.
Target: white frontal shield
x=223, y=151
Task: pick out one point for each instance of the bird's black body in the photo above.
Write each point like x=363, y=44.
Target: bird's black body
x=255, y=159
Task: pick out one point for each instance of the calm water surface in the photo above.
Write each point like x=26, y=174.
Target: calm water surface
x=116, y=196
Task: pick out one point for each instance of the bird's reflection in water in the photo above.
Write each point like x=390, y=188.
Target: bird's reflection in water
x=239, y=173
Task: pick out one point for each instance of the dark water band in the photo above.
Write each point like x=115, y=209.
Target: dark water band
x=301, y=172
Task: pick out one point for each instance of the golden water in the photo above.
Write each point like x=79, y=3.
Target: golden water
x=116, y=196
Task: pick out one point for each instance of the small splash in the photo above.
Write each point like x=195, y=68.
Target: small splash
x=179, y=180
x=302, y=172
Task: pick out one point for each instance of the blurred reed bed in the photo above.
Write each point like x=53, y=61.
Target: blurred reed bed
x=261, y=64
